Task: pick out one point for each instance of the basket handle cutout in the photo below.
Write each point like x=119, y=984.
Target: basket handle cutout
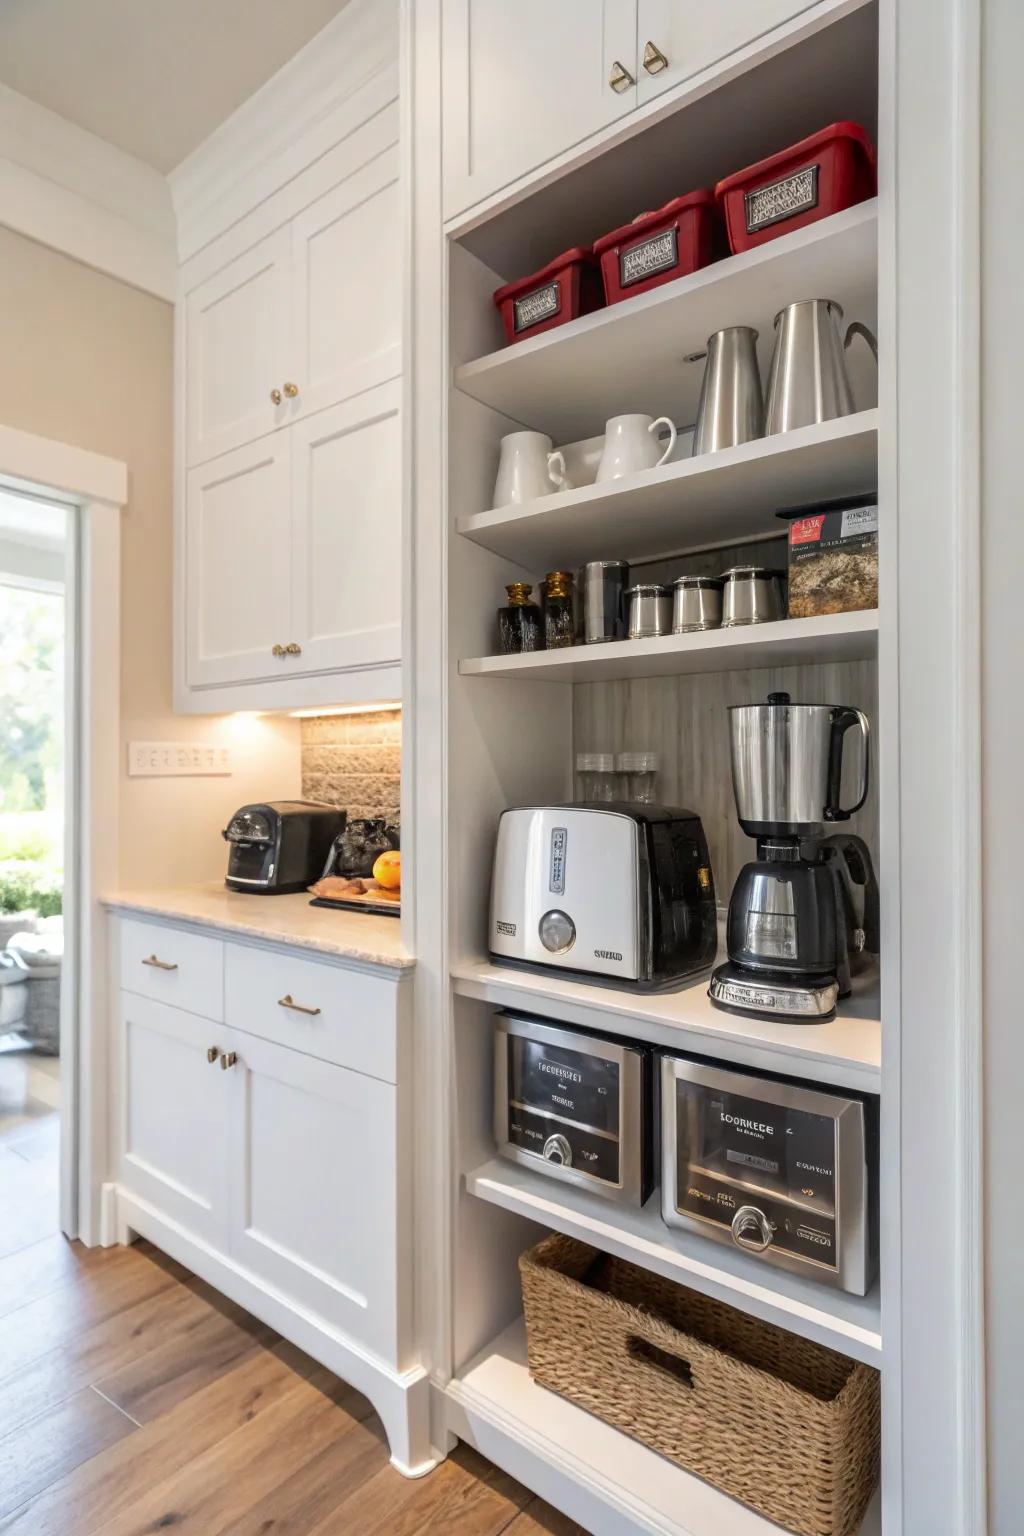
x=672, y=1365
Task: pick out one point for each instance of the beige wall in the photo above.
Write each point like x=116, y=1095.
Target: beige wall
x=88, y=361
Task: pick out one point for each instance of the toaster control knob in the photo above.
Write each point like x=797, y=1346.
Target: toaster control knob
x=557, y=932
x=558, y=1150
x=751, y=1228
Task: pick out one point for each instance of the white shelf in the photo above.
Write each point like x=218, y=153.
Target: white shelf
x=630, y=356
x=609, y=1483
x=850, y=1324
x=716, y=498
x=845, y=1052
x=787, y=643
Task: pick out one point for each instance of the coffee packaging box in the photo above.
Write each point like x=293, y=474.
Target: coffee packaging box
x=833, y=560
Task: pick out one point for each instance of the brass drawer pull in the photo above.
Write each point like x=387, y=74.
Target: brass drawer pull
x=160, y=965
x=654, y=60
x=228, y=1059
x=288, y=1002
x=619, y=77
x=212, y=1052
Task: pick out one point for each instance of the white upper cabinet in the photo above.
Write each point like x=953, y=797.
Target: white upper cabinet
x=346, y=537
x=678, y=38
x=525, y=82
x=346, y=289
x=237, y=325
x=238, y=553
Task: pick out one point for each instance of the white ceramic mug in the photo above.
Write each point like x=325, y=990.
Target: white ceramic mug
x=631, y=444
x=560, y=477
x=522, y=468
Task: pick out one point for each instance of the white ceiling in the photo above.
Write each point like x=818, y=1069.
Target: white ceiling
x=154, y=77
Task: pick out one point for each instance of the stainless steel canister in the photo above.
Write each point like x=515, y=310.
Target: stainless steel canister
x=601, y=600
x=650, y=611
x=753, y=595
x=696, y=603
x=730, y=409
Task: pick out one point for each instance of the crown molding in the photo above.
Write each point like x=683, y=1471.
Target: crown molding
x=300, y=113
x=76, y=193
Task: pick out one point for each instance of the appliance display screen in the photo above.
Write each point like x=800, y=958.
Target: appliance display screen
x=754, y=1145
x=574, y=1085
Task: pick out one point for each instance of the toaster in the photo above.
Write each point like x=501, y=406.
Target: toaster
x=619, y=894
x=281, y=846
x=575, y=1106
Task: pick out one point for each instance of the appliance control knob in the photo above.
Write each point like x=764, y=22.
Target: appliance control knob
x=751, y=1228
x=557, y=932
x=558, y=1150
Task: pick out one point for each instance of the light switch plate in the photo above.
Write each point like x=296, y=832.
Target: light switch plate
x=171, y=759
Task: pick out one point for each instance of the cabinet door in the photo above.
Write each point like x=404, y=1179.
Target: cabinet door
x=525, y=82
x=236, y=350
x=237, y=560
x=176, y=1106
x=347, y=523
x=692, y=36
x=313, y=1183
x=346, y=288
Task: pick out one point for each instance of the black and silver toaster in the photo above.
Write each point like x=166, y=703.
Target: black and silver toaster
x=281, y=846
x=621, y=894
x=576, y=1106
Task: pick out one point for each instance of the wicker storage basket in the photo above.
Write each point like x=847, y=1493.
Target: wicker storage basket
x=787, y=1426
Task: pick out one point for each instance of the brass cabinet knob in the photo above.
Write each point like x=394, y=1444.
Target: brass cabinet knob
x=275, y=395
x=228, y=1059
x=278, y=650
x=291, y=649
x=619, y=77
x=290, y=391
x=212, y=1052
x=654, y=60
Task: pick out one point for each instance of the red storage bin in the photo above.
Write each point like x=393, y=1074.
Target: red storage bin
x=568, y=286
x=659, y=246
x=831, y=170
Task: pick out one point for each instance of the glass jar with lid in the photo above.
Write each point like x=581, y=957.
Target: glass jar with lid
x=520, y=626
x=596, y=779
x=638, y=773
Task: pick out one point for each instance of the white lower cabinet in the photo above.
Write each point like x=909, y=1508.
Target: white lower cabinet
x=175, y=1125
x=312, y=1186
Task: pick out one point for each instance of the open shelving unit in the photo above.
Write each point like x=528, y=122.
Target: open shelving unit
x=510, y=742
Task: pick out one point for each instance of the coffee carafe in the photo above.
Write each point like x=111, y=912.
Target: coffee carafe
x=808, y=381
x=795, y=918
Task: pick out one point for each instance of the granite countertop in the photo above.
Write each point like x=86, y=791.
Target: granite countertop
x=363, y=936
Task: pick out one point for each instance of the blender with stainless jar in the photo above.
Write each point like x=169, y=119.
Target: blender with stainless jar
x=804, y=911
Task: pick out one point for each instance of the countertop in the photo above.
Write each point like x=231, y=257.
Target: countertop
x=365, y=937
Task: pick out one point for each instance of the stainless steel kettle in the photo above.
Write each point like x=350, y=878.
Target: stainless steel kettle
x=787, y=765
x=808, y=381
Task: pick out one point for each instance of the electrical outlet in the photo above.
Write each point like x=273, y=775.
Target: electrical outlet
x=172, y=759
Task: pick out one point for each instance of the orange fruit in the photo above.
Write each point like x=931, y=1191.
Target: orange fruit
x=387, y=871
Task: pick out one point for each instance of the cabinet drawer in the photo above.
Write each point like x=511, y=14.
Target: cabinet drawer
x=325, y=1010
x=172, y=966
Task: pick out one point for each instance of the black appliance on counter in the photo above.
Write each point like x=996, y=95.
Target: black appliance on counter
x=786, y=1170
x=280, y=847
x=801, y=916
x=575, y=1106
x=620, y=894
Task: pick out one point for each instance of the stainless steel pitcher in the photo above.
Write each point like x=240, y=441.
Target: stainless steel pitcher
x=808, y=381
x=787, y=765
x=731, y=408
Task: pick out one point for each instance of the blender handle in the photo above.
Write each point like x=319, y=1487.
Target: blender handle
x=842, y=719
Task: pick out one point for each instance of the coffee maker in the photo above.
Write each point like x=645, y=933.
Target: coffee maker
x=802, y=914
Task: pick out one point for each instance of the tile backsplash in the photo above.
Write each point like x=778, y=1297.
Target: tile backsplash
x=354, y=761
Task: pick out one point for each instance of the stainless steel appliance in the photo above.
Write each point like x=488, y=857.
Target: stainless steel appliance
x=730, y=409
x=792, y=929
x=280, y=847
x=752, y=595
x=696, y=603
x=785, y=1170
x=575, y=1106
x=650, y=611
x=601, y=600
x=621, y=893
x=807, y=380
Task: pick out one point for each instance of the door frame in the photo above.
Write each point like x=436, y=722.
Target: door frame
x=95, y=489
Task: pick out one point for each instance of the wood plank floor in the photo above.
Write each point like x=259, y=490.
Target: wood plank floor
x=134, y=1400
